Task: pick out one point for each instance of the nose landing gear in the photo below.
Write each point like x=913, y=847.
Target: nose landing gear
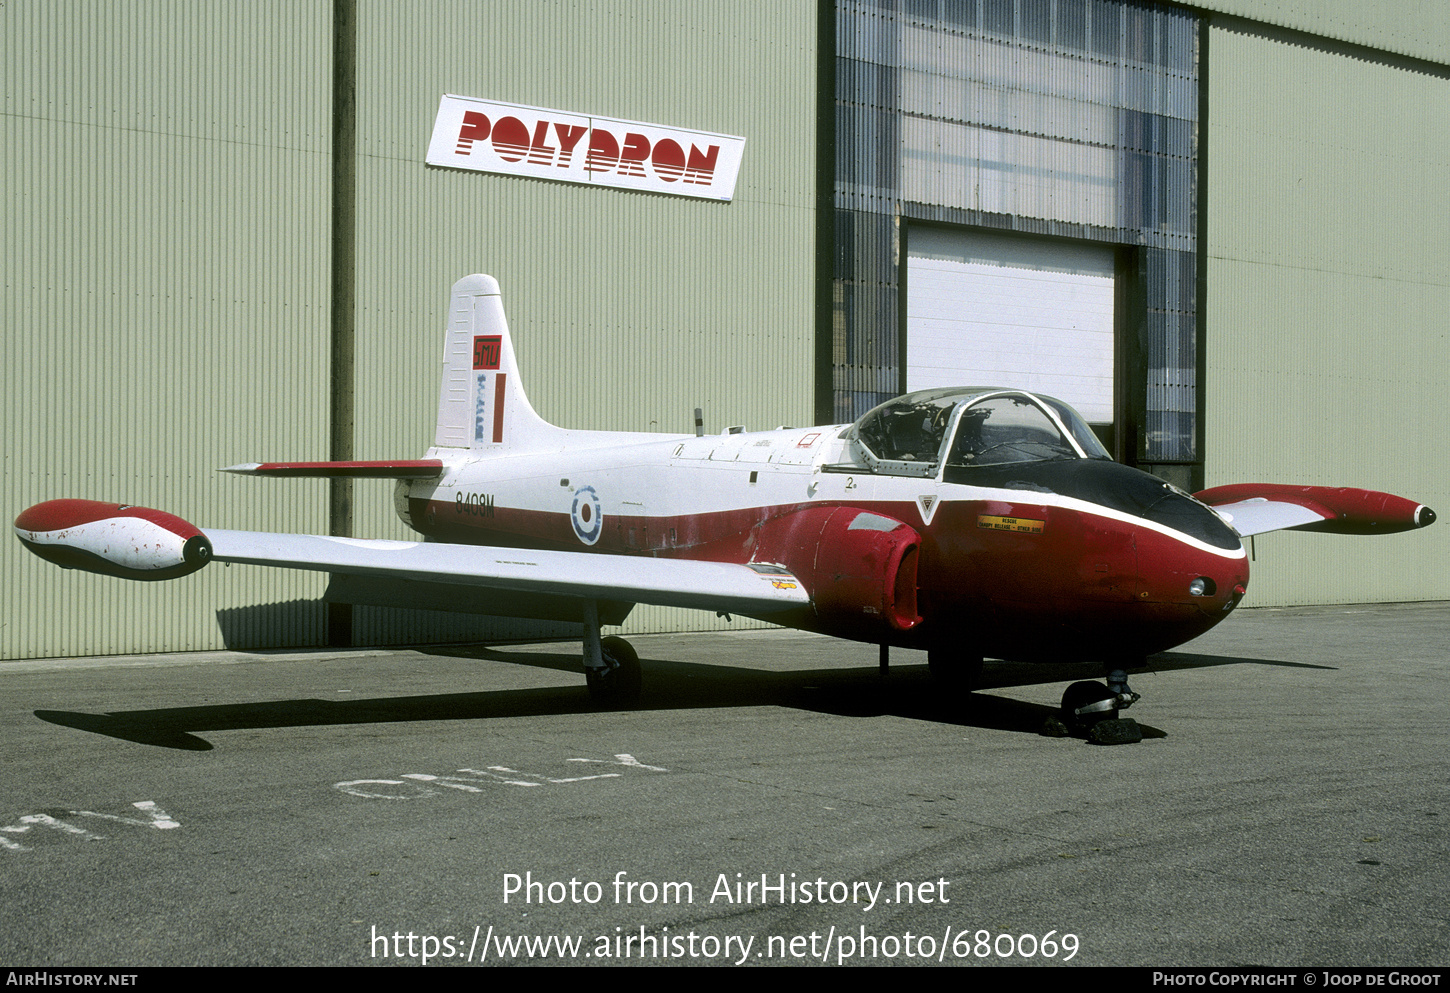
x=1091, y=709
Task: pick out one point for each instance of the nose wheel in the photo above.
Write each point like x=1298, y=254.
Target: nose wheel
x=1086, y=703
x=1090, y=710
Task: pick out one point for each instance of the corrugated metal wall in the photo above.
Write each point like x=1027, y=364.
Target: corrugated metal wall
x=628, y=310
x=167, y=186
x=1417, y=28
x=165, y=262
x=1328, y=296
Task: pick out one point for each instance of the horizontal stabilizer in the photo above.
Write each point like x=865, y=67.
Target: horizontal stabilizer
x=1255, y=508
x=718, y=586
x=395, y=469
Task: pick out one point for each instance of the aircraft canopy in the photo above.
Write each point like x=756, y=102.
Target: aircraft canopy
x=914, y=434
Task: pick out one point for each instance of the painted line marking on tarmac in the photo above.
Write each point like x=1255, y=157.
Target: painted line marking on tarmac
x=156, y=818
x=493, y=775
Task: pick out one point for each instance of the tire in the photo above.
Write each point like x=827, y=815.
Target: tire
x=620, y=682
x=1088, y=694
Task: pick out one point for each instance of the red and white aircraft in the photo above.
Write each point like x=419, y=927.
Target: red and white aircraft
x=967, y=522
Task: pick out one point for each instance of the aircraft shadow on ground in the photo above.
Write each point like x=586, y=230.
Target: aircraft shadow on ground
x=908, y=691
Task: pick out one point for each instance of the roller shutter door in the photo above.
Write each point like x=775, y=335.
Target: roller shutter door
x=993, y=310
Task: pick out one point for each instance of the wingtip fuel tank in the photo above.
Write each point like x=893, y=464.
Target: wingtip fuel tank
x=113, y=539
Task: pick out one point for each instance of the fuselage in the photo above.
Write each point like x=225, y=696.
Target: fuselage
x=1042, y=560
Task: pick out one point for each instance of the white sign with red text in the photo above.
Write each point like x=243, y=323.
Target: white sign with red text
x=552, y=144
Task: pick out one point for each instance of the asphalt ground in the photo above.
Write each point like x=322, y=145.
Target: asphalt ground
x=1288, y=806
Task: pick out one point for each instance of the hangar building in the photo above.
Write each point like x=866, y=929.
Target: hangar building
x=1216, y=228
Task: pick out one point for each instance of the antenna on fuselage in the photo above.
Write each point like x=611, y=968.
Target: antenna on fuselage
x=699, y=423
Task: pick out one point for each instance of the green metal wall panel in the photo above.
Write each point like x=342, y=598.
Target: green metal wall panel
x=628, y=309
x=1416, y=28
x=1328, y=290
x=165, y=257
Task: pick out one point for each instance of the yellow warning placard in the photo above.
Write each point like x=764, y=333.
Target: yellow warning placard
x=1022, y=525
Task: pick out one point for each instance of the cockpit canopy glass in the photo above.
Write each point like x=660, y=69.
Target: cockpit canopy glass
x=1009, y=428
x=908, y=435
x=910, y=428
x=1086, y=440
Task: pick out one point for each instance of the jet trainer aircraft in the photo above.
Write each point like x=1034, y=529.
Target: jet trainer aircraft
x=973, y=522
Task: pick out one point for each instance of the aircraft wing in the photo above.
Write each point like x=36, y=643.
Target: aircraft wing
x=718, y=586
x=144, y=544
x=1254, y=508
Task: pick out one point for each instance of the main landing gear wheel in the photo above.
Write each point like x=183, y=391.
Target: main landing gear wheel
x=619, y=682
x=955, y=672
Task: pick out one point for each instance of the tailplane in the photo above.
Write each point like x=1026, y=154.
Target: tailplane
x=482, y=405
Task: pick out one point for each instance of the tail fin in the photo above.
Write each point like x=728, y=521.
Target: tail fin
x=482, y=405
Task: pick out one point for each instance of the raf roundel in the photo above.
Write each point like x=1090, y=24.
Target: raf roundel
x=586, y=516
